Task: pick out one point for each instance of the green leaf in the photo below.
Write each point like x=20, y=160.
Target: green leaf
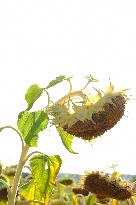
x=57, y=80
x=32, y=94
x=91, y=199
x=30, y=124
x=44, y=171
x=30, y=192
x=3, y=182
x=66, y=139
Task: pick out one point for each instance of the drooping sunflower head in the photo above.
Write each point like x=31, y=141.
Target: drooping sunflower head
x=102, y=199
x=94, y=116
x=3, y=194
x=79, y=190
x=66, y=181
x=10, y=171
x=105, y=186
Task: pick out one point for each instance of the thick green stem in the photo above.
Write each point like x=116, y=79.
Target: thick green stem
x=12, y=194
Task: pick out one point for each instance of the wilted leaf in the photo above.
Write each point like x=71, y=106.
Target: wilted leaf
x=66, y=139
x=57, y=80
x=30, y=124
x=32, y=94
x=30, y=192
x=44, y=171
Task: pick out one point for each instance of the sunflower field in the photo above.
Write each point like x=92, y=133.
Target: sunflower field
x=78, y=114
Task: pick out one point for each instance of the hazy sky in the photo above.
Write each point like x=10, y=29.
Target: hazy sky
x=40, y=40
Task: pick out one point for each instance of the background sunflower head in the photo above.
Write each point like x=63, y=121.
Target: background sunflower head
x=79, y=190
x=104, y=186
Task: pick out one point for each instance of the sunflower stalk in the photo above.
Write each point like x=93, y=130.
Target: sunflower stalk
x=13, y=192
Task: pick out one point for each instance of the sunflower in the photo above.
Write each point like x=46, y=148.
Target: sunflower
x=105, y=186
x=66, y=181
x=102, y=199
x=94, y=116
x=3, y=194
x=79, y=190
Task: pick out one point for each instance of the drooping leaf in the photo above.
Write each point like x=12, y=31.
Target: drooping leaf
x=66, y=139
x=30, y=124
x=44, y=171
x=57, y=80
x=32, y=94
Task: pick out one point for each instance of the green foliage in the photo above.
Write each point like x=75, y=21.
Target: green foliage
x=30, y=124
x=30, y=192
x=66, y=139
x=32, y=94
x=90, y=200
x=57, y=80
x=3, y=182
x=3, y=189
x=2, y=185
x=44, y=171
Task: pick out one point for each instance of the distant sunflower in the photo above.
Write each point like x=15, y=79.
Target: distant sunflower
x=3, y=194
x=94, y=117
x=105, y=186
x=84, y=192
x=66, y=181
